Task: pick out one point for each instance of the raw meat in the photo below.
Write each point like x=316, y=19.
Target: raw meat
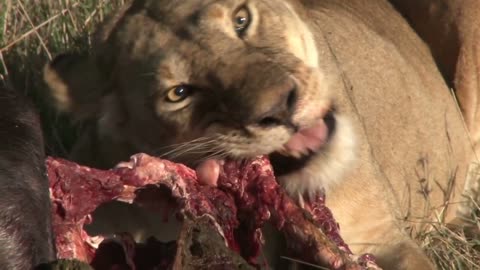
x=246, y=196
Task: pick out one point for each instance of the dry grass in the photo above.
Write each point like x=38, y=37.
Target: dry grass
x=452, y=247
x=34, y=31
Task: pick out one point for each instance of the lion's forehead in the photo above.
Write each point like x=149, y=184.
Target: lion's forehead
x=173, y=70
x=177, y=14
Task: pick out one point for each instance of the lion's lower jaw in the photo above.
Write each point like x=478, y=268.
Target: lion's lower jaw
x=328, y=167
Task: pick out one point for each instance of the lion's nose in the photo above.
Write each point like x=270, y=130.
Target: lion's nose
x=278, y=105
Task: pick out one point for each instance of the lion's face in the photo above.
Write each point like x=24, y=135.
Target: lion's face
x=194, y=80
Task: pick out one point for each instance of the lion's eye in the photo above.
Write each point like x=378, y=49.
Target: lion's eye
x=241, y=20
x=178, y=93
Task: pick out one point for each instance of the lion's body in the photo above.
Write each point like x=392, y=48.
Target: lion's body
x=452, y=31
x=399, y=140
x=406, y=122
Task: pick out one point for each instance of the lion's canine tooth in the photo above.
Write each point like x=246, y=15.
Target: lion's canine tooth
x=296, y=154
x=283, y=152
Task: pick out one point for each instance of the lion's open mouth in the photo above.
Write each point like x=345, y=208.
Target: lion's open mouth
x=303, y=145
x=294, y=155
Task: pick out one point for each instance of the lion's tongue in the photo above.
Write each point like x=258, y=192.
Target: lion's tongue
x=311, y=138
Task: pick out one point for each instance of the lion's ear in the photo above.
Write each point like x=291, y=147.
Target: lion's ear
x=76, y=84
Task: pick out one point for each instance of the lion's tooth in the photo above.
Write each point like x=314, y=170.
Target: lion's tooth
x=305, y=152
x=296, y=154
x=283, y=152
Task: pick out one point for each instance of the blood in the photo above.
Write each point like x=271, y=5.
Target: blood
x=245, y=198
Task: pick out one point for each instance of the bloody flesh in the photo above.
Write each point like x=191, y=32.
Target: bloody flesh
x=247, y=195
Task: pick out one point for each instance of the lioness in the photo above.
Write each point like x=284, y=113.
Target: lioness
x=341, y=94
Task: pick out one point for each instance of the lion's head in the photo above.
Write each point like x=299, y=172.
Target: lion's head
x=200, y=80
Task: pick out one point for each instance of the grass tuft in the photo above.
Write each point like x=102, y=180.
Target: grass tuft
x=453, y=247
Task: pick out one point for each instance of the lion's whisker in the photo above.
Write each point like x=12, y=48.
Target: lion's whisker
x=184, y=145
x=197, y=146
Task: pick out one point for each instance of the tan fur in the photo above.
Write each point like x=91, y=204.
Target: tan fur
x=399, y=140
x=452, y=30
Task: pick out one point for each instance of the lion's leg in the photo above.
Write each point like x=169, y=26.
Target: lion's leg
x=370, y=222
x=402, y=256
x=392, y=247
